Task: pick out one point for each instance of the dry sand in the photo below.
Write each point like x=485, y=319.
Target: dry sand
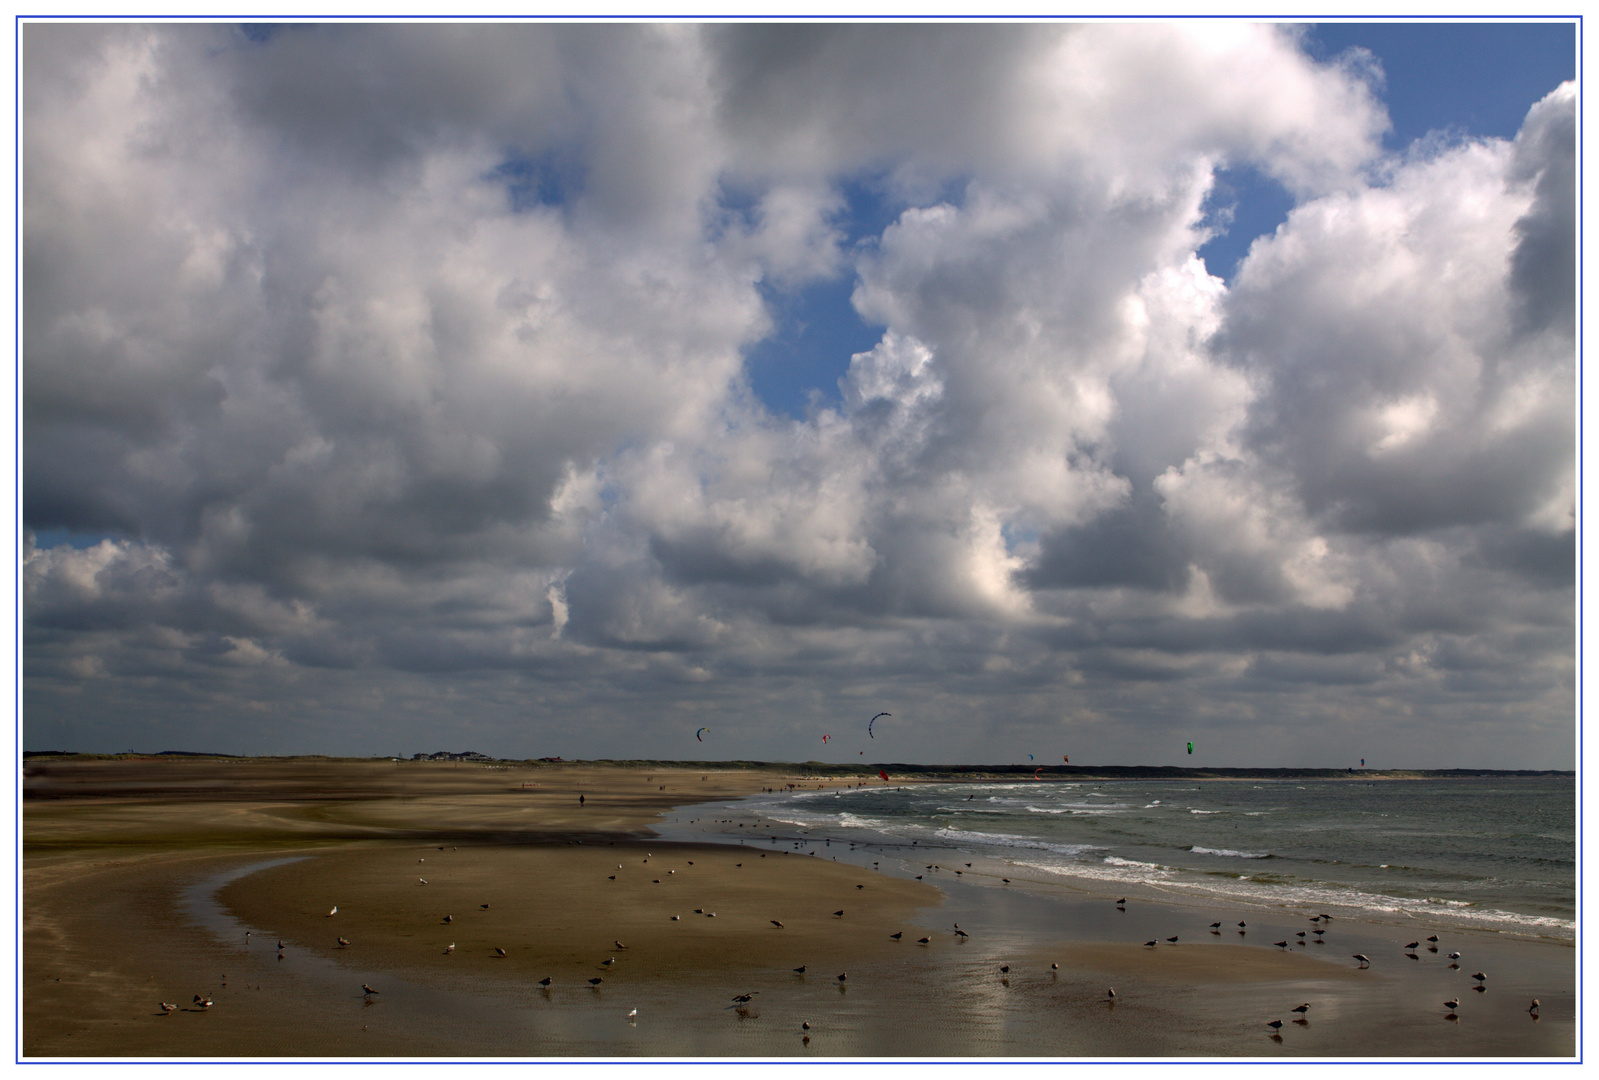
x=141, y=876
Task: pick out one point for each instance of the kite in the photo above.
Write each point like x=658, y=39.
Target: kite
x=1190, y=748
x=1037, y=771
x=883, y=774
x=700, y=733
x=872, y=721
x=1066, y=759
x=826, y=737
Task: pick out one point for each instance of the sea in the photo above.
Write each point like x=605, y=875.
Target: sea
x=1483, y=853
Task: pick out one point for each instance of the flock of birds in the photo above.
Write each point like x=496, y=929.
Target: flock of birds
x=741, y=1002
x=1319, y=929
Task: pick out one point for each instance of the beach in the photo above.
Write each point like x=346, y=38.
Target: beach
x=156, y=880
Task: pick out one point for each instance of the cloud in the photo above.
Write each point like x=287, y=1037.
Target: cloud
x=404, y=368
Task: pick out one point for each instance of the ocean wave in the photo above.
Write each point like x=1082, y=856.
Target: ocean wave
x=847, y=820
x=964, y=836
x=1121, y=872
x=1191, y=810
x=1229, y=853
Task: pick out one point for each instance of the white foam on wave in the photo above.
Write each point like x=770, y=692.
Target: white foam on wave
x=847, y=820
x=964, y=836
x=1119, y=871
x=1229, y=853
x=1312, y=896
x=1191, y=810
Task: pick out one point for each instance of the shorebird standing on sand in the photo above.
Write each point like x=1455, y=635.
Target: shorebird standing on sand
x=344, y=943
x=1275, y=1025
x=368, y=989
x=448, y=949
x=332, y=913
x=1364, y=960
x=167, y=1008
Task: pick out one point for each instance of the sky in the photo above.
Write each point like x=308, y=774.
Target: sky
x=1059, y=389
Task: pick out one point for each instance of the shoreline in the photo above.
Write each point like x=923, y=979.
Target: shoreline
x=557, y=915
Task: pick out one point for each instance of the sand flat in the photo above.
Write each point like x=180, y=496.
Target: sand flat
x=140, y=877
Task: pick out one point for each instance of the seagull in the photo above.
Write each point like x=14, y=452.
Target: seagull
x=1281, y=944
x=1240, y=926
x=800, y=970
x=1110, y=994
x=1480, y=977
x=923, y=941
x=961, y=933
x=280, y=944
x=1274, y=1025
x=1454, y=956
x=449, y=918
x=1150, y=944
x=166, y=1008
x=1414, y=945
x=677, y=918
x=1533, y=1008
x=368, y=989
x=633, y=1015
x=595, y=982
x=1004, y=969
x=1215, y=926
x=450, y=948
x=498, y=951
x=1452, y=1004
x=608, y=963
x=344, y=943
x=839, y=914
x=897, y=936
x=545, y=982
x=1173, y=940
x=485, y=907
x=203, y=1003
x=806, y=1024
x=423, y=880
x=777, y=924
x=842, y=977
x=332, y=913
x=1302, y=1009
x=619, y=945
x=1365, y=961
x=745, y=997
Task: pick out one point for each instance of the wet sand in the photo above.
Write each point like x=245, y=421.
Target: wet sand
x=141, y=878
